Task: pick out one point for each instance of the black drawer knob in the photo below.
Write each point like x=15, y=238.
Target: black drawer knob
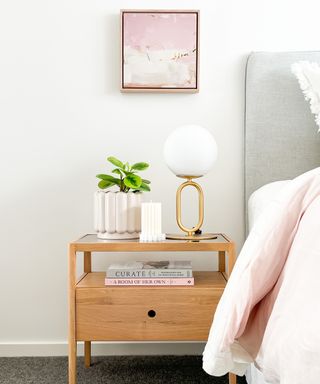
x=152, y=313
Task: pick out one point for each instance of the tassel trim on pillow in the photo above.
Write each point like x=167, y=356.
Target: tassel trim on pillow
x=300, y=70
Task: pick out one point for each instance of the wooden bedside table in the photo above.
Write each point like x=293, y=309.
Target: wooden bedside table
x=179, y=313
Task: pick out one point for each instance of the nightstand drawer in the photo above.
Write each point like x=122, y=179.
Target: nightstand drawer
x=146, y=313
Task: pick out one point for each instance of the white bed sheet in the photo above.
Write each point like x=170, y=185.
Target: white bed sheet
x=256, y=204
x=254, y=376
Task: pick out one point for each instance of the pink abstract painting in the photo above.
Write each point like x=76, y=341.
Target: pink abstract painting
x=160, y=50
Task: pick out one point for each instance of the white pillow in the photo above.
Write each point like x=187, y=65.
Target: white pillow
x=308, y=75
x=260, y=199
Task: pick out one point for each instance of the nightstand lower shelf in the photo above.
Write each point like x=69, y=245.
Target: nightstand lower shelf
x=151, y=313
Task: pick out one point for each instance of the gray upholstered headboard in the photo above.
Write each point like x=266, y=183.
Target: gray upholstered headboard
x=281, y=139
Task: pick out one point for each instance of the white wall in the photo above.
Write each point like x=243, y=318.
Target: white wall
x=62, y=114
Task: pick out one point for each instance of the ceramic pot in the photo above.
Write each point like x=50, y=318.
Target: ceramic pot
x=117, y=215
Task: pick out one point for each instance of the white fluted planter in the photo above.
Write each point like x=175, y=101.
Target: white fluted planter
x=117, y=215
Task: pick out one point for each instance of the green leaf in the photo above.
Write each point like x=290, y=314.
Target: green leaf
x=140, y=166
x=115, y=162
x=132, y=181
x=117, y=171
x=103, y=184
x=105, y=177
x=117, y=181
x=109, y=178
x=144, y=187
x=146, y=181
x=127, y=173
x=126, y=167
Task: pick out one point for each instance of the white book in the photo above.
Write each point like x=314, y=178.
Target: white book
x=177, y=268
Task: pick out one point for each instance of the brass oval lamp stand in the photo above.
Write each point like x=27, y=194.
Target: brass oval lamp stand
x=191, y=233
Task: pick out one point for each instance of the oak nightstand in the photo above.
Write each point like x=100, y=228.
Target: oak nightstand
x=151, y=313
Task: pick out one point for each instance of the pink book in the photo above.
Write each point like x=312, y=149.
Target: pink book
x=154, y=281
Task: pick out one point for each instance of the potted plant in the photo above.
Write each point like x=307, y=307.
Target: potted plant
x=118, y=213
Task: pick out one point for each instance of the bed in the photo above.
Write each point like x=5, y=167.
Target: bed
x=281, y=139
x=259, y=318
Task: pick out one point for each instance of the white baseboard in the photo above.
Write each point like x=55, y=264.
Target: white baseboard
x=102, y=349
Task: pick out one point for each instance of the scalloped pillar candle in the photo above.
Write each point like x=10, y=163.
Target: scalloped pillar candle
x=151, y=222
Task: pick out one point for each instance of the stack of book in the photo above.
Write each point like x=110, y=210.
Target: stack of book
x=143, y=273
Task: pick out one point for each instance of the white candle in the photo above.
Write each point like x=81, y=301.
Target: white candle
x=151, y=222
x=154, y=219
x=143, y=219
x=159, y=218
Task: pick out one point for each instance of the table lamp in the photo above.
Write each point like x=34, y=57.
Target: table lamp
x=190, y=152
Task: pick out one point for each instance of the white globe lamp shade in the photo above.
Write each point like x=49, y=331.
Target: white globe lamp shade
x=190, y=150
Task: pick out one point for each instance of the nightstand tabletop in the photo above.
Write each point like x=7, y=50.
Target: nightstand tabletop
x=91, y=242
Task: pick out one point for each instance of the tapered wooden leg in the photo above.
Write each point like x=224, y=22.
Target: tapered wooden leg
x=232, y=378
x=87, y=354
x=87, y=267
x=87, y=262
x=72, y=317
x=231, y=258
x=222, y=261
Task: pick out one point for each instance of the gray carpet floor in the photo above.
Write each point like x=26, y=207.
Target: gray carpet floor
x=109, y=370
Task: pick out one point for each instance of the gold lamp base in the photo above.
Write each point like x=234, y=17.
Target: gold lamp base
x=194, y=233
x=203, y=236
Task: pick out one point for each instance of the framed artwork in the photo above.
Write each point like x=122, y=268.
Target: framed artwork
x=159, y=51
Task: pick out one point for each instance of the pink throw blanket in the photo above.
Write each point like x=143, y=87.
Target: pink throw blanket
x=270, y=310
